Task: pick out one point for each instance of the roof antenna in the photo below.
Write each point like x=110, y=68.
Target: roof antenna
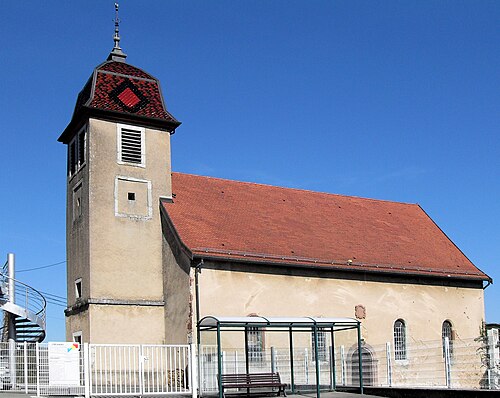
x=117, y=54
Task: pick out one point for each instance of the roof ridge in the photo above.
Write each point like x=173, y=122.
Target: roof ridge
x=299, y=189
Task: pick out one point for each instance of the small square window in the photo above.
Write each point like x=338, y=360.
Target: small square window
x=131, y=196
x=78, y=288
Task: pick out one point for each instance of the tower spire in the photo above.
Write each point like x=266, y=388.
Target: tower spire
x=116, y=53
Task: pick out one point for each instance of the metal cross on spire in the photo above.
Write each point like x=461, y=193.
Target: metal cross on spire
x=117, y=54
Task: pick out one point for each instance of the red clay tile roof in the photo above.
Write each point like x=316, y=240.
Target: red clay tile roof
x=230, y=219
x=119, y=88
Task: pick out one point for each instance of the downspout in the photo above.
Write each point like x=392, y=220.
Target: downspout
x=197, y=269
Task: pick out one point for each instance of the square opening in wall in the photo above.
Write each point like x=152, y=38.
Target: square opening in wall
x=133, y=197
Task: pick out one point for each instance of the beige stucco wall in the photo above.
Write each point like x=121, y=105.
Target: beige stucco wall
x=126, y=324
x=123, y=254
x=422, y=307
x=125, y=250
x=178, y=298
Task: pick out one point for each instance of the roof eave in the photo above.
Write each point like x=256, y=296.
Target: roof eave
x=299, y=265
x=86, y=112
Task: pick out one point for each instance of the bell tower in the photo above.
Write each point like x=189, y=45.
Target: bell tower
x=118, y=169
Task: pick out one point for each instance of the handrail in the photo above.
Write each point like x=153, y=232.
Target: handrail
x=33, y=300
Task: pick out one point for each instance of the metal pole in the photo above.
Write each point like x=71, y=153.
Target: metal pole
x=192, y=370
x=389, y=363
x=12, y=319
x=447, y=361
x=360, y=360
x=247, y=365
x=290, y=335
x=342, y=365
x=37, y=349
x=86, y=369
x=332, y=363
x=219, y=364
x=316, y=359
x=273, y=360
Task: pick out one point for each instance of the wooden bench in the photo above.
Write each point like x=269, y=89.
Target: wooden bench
x=251, y=381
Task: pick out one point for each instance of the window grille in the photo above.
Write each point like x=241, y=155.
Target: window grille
x=399, y=340
x=447, y=331
x=322, y=352
x=255, y=344
x=131, y=146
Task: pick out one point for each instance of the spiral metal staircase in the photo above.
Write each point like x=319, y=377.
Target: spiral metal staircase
x=23, y=308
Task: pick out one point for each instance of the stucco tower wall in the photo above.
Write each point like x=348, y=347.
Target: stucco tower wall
x=125, y=252
x=77, y=244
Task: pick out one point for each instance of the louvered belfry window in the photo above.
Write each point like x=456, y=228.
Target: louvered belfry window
x=131, y=149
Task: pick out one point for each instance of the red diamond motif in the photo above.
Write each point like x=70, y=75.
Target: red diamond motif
x=128, y=98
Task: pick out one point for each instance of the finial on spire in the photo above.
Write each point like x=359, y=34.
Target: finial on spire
x=117, y=54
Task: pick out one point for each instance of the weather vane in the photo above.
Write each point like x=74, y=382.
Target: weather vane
x=116, y=38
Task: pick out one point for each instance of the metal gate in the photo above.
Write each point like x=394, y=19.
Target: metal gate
x=139, y=369
x=99, y=369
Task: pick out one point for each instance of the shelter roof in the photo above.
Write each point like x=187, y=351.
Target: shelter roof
x=239, y=221
x=212, y=321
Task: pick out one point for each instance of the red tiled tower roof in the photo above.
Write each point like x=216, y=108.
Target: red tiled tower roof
x=217, y=218
x=122, y=92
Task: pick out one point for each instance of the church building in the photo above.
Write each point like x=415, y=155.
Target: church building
x=151, y=251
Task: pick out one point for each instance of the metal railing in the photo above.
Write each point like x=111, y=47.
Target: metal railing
x=25, y=296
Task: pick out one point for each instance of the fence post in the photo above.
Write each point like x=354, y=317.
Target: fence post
x=224, y=368
x=37, y=356
x=332, y=368
x=193, y=368
x=447, y=361
x=86, y=370
x=306, y=366
x=389, y=363
x=342, y=365
x=273, y=360
x=236, y=362
x=25, y=346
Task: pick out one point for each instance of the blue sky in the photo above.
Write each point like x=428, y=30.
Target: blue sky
x=390, y=100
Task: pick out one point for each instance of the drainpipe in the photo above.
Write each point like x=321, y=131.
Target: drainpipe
x=197, y=270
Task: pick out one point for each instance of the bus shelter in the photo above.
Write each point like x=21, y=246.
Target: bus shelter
x=221, y=324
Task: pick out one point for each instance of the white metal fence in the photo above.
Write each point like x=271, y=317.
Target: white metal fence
x=454, y=364
x=96, y=369
x=135, y=370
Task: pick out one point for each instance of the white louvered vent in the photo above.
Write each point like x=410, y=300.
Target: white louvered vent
x=132, y=146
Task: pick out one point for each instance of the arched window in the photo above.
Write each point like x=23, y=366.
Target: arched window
x=447, y=331
x=399, y=340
